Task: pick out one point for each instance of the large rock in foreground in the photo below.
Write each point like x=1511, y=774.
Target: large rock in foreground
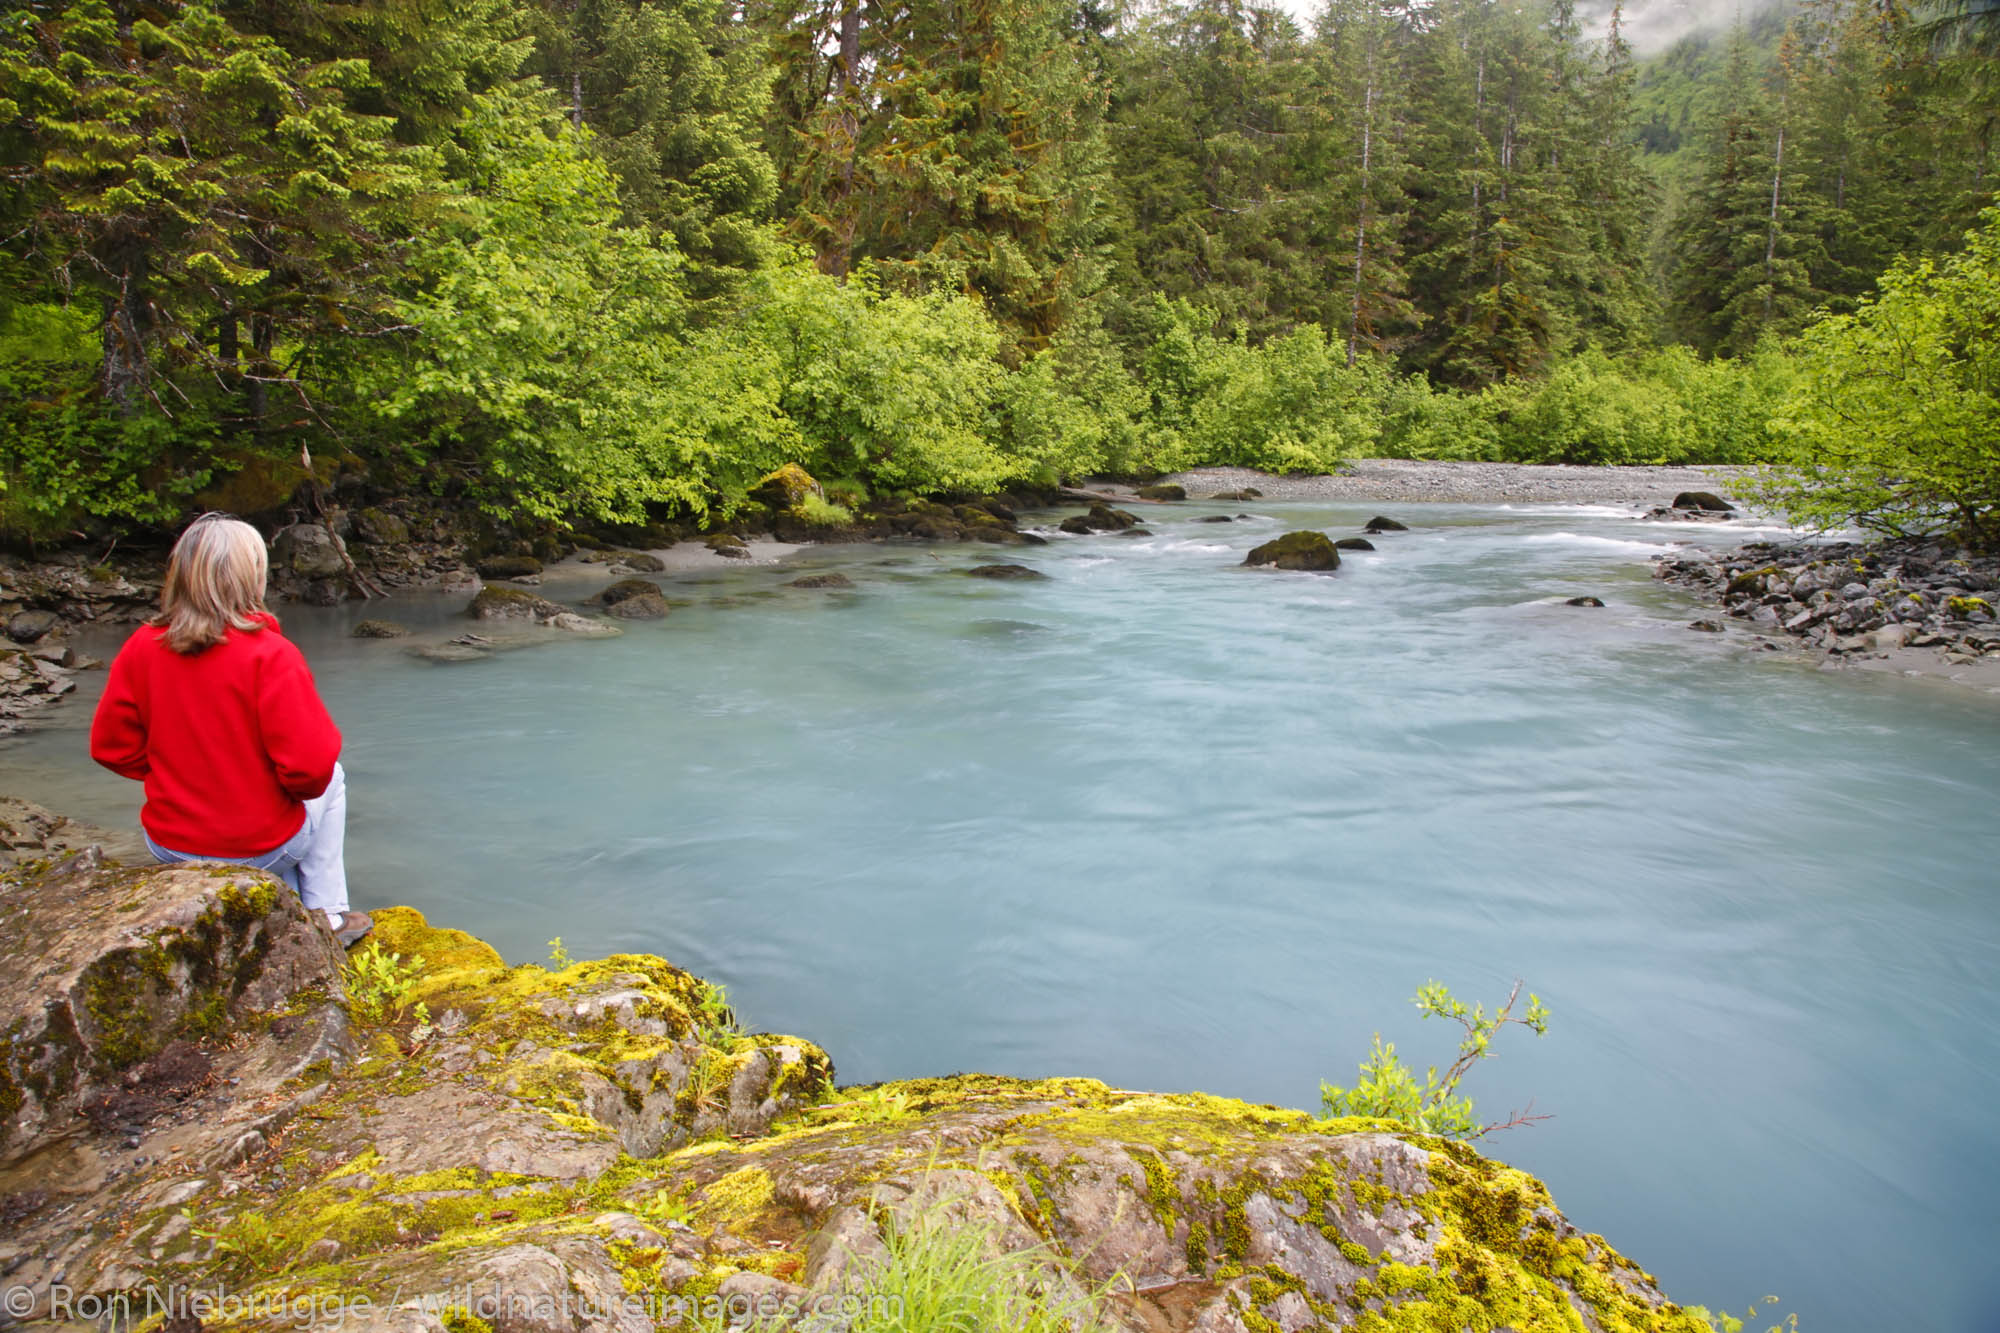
x=1297, y=550
x=597, y=1146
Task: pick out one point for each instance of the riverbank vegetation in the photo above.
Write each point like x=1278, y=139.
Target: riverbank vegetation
x=615, y=261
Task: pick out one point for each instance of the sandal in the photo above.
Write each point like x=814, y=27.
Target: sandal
x=353, y=928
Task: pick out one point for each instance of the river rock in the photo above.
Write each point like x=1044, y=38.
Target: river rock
x=728, y=545
x=835, y=579
x=380, y=629
x=379, y=527
x=554, y=1138
x=1706, y=626
x=1215, y=518
x=1704, y=500
x=1297, y=550
x=1379, y=524
x=1164, y=491
x=1004, y=572
x=645, y=606
x=642, y=563
x=627, y=588
x=787, y=487
x=306, y=551
x=1583, y=601
x=495, y=603
x=1354, y=544
x=29, y=626
x=509, y=567
x=1247, y=493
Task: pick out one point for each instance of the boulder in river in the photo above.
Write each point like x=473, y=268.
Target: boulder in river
x=1215, y=518
x=494, y=603
x=1706, y=626
x=626, y=588
x=644, y=606
x=834, y=579
x=641, y=562
x=1247, y=493
x=509, y=567
x=1305, y=550
x=1381, y=524
x=1004, y=572
x=1583, y=601
x=1354, y=544
x=1165, y=491
x=1707, y=501
x=380, y=629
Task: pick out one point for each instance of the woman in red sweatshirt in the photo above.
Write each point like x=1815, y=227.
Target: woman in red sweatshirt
x=214, y=710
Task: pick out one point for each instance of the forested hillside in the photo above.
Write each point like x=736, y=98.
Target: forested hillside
x=590, y=260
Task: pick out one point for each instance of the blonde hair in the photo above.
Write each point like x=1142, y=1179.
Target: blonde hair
x=215, y=583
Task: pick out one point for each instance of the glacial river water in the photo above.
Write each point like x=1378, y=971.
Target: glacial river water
x=1178, y=824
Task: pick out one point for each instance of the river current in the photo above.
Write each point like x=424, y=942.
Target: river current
x=1177, y=824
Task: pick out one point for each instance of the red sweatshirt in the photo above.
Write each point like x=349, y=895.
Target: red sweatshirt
x=229, y=741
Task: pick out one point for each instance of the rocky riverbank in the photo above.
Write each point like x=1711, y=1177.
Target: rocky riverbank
x=205, y=1107
x=1918, y=605
x=1404, y=480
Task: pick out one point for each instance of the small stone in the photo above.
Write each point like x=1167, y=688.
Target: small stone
x=1706, y=626
x=1379, y=525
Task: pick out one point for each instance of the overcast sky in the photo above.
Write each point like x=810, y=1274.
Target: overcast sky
x=1650, y=25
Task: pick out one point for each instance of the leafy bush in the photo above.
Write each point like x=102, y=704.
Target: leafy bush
x=1895, y=421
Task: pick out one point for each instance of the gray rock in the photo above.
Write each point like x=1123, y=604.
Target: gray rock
x=641, y=562
x=307, y=551
x=28, y=626
x=1380, y=524
x=830, y=580
x=625, y=588
x=509, y=567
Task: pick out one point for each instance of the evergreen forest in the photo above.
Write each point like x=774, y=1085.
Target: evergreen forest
x=612, y=261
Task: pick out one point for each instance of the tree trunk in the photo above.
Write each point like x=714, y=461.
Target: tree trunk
x=127, y=370
x=1361, y=217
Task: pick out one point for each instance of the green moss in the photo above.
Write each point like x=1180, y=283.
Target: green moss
x=1962, y=607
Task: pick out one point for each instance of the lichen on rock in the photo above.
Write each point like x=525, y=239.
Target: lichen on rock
x=600, y=1140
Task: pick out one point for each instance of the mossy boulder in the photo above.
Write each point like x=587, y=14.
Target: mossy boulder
x=379, y=527
x=127, y=961
x=641, y=562
x=645, y=606
x=1313, y=551
x=626, y=589
x=495, y=603
x=306, y=551
x=380, y=629
x=1167, y=491
x=786, y=488
x=602, y=1132
x=834, y=579
x=509, y=567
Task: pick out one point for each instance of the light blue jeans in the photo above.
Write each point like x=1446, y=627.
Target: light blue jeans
x=314, y=862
